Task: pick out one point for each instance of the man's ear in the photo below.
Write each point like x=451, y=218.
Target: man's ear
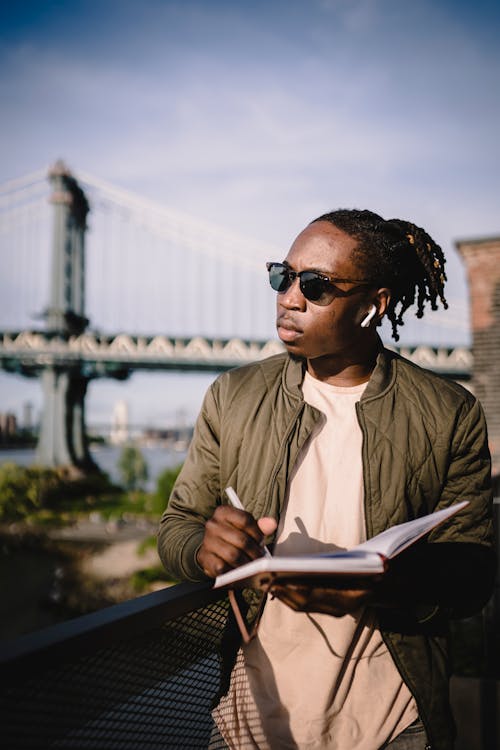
x=381, y=301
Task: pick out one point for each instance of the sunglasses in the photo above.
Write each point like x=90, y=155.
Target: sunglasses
x=316, y=287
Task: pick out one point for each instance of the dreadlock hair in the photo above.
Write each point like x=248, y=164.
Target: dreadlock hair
x=396, y=254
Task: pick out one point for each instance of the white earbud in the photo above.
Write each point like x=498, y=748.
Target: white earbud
x=366, y=321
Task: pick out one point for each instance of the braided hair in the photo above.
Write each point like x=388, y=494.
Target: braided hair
x=396, y=254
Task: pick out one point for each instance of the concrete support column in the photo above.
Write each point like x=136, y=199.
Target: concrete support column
x=63, y=439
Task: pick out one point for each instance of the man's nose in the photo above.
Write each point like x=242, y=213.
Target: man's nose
x=292, y=298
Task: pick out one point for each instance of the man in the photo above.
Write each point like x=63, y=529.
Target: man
x=326, y=445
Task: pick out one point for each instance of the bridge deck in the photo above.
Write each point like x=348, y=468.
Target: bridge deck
x=105, y=355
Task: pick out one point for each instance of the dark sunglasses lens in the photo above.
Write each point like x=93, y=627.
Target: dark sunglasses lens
x=316, y=289
x=279, y=277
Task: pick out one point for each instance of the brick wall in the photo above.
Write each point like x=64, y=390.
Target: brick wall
x=482, y=262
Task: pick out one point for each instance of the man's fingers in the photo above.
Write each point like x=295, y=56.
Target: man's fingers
x=232, y=538
x=239, y=537
x=267, y=525
x=212, y=564
x=235, y=549
x=239, y=519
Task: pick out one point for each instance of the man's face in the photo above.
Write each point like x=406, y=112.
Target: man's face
x=313, y=331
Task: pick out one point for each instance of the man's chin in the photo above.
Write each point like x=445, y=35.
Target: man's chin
x=296, y=357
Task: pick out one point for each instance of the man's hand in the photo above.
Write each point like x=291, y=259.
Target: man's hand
x=328, y=601
x=232, y=537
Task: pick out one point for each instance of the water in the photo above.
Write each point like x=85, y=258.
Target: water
x=157, y=456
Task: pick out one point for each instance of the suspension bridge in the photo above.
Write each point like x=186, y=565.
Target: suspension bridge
x=117, y=283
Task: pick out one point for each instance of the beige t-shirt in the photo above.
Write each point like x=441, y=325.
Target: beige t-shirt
x=311, y=680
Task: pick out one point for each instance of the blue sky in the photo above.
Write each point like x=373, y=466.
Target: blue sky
x=259, y=116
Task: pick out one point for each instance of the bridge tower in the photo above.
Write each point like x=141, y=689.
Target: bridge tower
x=63, y=438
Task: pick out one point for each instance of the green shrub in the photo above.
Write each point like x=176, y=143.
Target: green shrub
x=48, y=495
x=165, y=483
x=24, y=490
x=133, y=467
x=68, y=490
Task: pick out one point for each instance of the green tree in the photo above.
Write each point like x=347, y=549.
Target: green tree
x=24, y=490
x=132, y=467
x=165, y=483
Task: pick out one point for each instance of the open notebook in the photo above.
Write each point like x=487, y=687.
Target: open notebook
x=367, y=559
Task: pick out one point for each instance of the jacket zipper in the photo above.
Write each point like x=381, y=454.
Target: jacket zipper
x=279, y=460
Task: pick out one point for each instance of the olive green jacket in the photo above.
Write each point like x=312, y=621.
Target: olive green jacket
x=424, y=448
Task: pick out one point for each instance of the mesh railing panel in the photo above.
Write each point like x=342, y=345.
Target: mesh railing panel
x=153, y=690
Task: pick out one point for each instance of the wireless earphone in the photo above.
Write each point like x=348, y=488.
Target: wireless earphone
x=366, y=321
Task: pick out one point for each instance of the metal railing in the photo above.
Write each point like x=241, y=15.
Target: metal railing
x=141, y=675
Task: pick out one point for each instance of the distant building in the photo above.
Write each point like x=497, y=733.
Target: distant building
x=8, y=427
x=28, y=416
x=120, y=424
x=482, y=262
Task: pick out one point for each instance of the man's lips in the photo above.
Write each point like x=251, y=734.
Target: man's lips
x=288, y=331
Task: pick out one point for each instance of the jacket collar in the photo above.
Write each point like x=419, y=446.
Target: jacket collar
x=380, y=379
x=293, y=375
x=383, y=374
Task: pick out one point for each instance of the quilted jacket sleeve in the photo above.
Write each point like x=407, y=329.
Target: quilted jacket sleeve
x=455, y=569
x=194, y=497
x=468, y=478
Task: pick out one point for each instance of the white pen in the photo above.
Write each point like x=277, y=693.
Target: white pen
x=236, y=503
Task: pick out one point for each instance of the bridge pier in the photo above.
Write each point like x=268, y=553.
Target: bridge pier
x=63, y=439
